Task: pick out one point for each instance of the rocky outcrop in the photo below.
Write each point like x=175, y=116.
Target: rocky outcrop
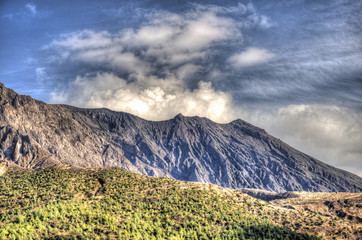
x=236, y=155
x=23, y=151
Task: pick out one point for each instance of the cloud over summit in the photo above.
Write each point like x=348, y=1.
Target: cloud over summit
x=151, y=98
x=147, y=71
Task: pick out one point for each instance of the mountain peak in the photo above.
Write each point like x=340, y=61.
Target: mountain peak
x=3, y=90
x=241, y=124
x=179, y=116
x=7, y=95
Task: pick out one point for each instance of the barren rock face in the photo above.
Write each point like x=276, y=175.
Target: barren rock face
x=23, y=150
x=233, y=155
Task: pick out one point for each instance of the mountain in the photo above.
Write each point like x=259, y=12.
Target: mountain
x=234, y=155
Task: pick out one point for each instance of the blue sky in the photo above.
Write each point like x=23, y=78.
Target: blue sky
x=292, y=67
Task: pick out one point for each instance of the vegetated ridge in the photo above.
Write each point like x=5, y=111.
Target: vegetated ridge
x=54, y=203
x=234, y=155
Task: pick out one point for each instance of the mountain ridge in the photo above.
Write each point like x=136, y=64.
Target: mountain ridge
x=236, y=154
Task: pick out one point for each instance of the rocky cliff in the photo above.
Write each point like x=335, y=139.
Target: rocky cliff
x=233, y=155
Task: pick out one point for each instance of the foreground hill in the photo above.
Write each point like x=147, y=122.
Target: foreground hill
x=113, y=203
x=235, y=155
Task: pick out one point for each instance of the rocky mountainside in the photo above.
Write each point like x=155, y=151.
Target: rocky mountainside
x=235, y=155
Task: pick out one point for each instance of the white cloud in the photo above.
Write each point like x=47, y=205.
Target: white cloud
x=30, y=60
x=150, y=98
x=41, y=75
x=251, y=17
x=250, y=57
x=96, y=48
x=172, y=39
x=199, y=33
x=255, y=19
x=187, y=70
x=82, y=40
x=31, y=8
x=329, y=133
x=28, y=10
x=155, y=35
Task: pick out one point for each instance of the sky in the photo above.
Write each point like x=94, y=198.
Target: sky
x=292, y=67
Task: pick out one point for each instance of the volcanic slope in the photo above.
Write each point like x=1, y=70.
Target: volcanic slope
x=235, y=155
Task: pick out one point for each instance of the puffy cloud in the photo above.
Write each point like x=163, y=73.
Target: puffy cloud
x=151, y=98
x=329, y=133
x=251, y=56
x=145, y=71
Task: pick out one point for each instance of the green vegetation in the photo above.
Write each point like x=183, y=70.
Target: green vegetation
x=117, y=204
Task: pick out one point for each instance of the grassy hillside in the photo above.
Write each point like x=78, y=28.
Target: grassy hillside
x=117, y=204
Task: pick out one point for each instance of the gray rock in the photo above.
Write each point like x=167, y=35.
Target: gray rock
x=235, y=155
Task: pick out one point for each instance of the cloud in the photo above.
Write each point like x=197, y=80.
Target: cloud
x=251, y=56
x=185, y=44
x=329, y=133
x=82, y=40
x=40, y=74
x=31, y=8
x=145, y=71
x=150, y=98
x=203, y=31
x=249, y=16
x=169, y=39
x=254, y=19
